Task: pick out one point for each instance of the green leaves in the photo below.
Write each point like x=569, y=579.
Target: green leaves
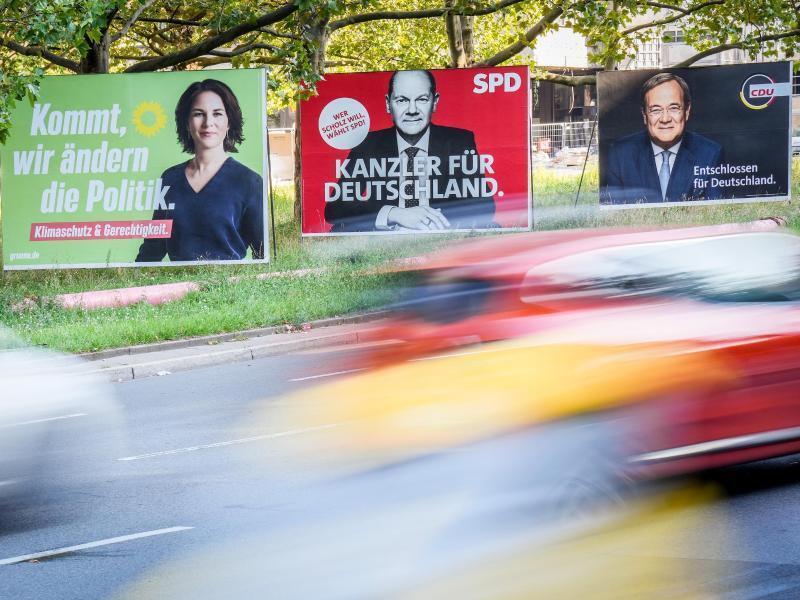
x=15, y=87
x=54, y=35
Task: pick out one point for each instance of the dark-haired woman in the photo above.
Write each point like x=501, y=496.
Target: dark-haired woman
x=215, y=202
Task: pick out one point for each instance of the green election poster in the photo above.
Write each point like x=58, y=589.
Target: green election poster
x=137, y=169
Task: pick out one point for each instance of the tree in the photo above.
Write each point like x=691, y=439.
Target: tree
x=303, y=38
x=613, y=29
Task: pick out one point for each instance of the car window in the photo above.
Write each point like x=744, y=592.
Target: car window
x=738, y=267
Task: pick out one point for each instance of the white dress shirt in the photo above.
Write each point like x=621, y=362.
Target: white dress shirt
x=381, y=221
x=657, y=150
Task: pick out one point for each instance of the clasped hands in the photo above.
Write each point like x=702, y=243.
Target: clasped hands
x=422, y=218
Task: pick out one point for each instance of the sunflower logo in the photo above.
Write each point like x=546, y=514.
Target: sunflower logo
x=149, y=118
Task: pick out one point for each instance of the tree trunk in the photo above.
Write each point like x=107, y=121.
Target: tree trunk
x=319, y=33
x=467, y=38
x=318, y=41
x=96, y=58
x=459, y=38
x=457, y=35
x=611, y=63
x=298, y=173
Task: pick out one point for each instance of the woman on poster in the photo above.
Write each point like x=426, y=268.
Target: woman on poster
x=215, y=203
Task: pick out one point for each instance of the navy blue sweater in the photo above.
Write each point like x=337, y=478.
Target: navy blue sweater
x=220, y=222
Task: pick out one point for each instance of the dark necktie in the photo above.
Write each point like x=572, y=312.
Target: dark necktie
x=410, y=178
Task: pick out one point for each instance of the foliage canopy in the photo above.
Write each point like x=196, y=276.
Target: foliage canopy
x=300, y=39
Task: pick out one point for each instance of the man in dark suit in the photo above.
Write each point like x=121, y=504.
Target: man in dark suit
x=415, y=175
x=658, y=165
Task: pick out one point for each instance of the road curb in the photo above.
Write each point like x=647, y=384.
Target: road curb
x=218, y=338
x=164, y=364
x=163, y=358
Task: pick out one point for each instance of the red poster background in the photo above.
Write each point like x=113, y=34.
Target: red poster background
x=499, y=119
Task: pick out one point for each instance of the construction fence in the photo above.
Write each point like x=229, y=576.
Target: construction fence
x=563, y=144
x=552, y=144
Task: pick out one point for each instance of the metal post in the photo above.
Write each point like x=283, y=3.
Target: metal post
x=585, y=160
x=271, y=202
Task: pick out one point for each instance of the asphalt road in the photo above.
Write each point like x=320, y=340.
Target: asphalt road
x=181, y=482
x=212, y=489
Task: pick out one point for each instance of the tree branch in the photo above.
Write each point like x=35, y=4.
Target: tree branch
x=174, y=22
x=571, y=80
x=664, y=5
x=129, y=23
x=683, y=13
x=131, y=56
x=517, y=47
x=196, y=50
x=242, y=49
x=278, y=34
x=389, y=15
x=42, y=53
x=737, y=45
x=207, y=61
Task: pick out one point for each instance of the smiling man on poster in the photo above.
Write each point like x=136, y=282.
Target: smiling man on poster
x=659, y=163
x=430, y=157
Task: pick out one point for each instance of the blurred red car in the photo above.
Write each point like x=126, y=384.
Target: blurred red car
x=489, y=452
x=727, y=295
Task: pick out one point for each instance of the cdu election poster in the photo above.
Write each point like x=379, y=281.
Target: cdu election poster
x=137, y=169
x=695, y=136
x=417, y=151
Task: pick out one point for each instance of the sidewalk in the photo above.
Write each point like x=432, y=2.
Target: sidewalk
x=138, y=362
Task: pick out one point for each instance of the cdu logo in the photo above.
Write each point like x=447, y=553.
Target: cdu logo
x=759, y=91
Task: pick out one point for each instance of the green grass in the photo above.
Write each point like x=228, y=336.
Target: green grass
x=346, y=286
x=220, y=306
x=557, y=205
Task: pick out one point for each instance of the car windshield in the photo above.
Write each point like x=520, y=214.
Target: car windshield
x=750, y=267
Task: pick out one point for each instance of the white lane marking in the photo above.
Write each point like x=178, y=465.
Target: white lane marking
x=105, y=542
x=256, y=438
x=327, y=374
x=43, y=420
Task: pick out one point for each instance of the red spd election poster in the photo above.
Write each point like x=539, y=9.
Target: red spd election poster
x=417, y=151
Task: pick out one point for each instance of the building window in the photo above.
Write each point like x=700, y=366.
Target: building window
x=648, y=55
x=673, y=36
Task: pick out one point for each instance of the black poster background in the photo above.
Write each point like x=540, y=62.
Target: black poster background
x=748, y=136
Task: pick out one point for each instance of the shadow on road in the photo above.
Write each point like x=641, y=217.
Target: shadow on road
x=757, y=476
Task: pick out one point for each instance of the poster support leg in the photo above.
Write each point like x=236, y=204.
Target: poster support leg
x=530, y=187
x=585, y=160
x=271, y=204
